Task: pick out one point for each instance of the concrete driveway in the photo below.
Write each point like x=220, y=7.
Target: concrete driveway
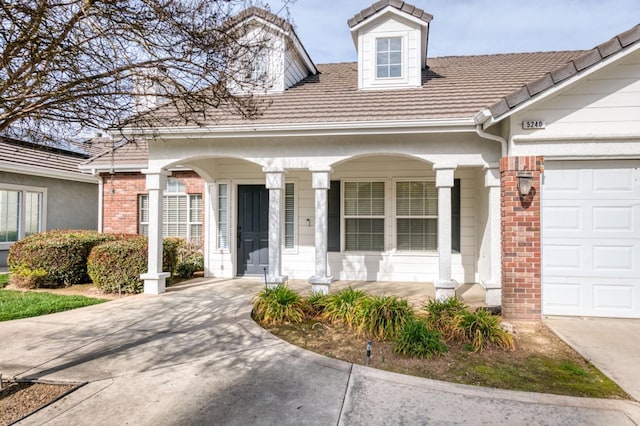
x=194, y=356
x=611, y=344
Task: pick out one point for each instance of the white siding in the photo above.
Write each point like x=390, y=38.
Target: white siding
x=603, y=107
x=390, y=265
x=394, y=26
x=294, y=69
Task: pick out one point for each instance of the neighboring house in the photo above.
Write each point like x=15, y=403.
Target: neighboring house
x=41, y=188
x=401, y=167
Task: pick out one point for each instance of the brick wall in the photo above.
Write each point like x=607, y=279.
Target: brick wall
x=521, y=244
x=120, y=207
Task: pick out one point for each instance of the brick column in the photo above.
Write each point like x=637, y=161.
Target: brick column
x=520, y=236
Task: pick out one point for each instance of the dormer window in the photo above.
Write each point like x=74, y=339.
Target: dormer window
x=260, y=67
x=389, y=57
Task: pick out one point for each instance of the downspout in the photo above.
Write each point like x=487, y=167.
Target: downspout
x=100, y=200
x=480, y=119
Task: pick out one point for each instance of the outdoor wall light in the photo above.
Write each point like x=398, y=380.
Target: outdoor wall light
x=525, y=181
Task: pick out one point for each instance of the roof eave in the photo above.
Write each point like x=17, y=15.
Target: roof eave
x=313, y=129
x=47, y=173
x=557, y=87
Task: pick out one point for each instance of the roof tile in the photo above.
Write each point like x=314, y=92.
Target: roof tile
x=499, y=107
x=630, y=36
x=563, y=72
x=381, y=4
x=540, y=84
x=520, y=95
x=585, y=61
x=610, y=47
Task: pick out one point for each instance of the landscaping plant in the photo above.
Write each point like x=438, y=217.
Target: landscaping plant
x=417, y=340
x=481, y=329
x=445, y=316
x=342, y=307
x=279, y=305
x=62, y=254
x=382, y=317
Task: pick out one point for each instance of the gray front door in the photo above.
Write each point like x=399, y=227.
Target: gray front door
x=253, y=230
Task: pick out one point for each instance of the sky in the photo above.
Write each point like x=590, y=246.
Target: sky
x=471, y=27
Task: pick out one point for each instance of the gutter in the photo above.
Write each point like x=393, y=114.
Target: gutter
x=311, y=129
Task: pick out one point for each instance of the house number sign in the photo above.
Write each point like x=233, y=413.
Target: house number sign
x=533, y=124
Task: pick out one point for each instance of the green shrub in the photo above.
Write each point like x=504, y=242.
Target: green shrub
x=417, y=340
x=316, y=303
x=117, y=265
x=23, y=277
x=279, y=305
x=189, y=259
x=342, y=307
x=171, y=246
x=481, y=329
x=382, y=317
x=62, y=254
x=4, y=280
x=445, y=316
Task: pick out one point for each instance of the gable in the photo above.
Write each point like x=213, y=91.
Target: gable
x=604, y=104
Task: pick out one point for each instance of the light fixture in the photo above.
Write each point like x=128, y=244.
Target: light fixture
x=525, y=181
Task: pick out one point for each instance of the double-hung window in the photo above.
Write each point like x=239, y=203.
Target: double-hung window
x=389, y=57
x=364, y=216
x=182, y=213
x=416, y=216
x=21, y=212
x=289, y=216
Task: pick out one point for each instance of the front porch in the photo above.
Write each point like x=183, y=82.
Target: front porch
x=416, y=293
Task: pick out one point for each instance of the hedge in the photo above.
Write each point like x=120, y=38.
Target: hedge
x=61, y=254
x=117, y=265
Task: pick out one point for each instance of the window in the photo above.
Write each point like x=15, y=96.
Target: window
x=333, y=217
x=181, y=215
x=21, y=213
x=289, y=216
x=223, y=216
x=416, y=216
x=364, y=216
x=389, y=57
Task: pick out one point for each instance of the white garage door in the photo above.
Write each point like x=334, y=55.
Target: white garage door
x=591, y=238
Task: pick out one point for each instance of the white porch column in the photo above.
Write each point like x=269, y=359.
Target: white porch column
x=493, y=286
x=445, y=285
x=321, y=281
x=155, y=279
x=275, y=185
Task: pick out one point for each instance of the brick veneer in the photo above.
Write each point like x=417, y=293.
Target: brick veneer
x=120, y=204
x=521, y=244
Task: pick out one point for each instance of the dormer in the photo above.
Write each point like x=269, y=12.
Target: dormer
x=271, y=58
x=391, y=38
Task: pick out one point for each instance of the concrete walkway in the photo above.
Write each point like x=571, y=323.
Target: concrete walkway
x=194, y=356
x=611, y=344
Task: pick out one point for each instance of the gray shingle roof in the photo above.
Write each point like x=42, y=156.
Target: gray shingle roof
x=398, y=4
x=30, y=155
x=568, y=70
x=453, y=87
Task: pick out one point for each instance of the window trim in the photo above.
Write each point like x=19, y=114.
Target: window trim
x=402, y=57
x=294, y=248
x=42, y=222
x=189, y=222
x=396, y=216
x=217, y=215
x=344, y=216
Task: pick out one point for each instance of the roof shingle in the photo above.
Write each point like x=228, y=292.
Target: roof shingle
x=398, y=4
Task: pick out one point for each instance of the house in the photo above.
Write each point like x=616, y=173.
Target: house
x=41, y=188
x=515, y=171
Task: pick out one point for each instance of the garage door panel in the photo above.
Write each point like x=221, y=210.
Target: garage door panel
x=591, y=238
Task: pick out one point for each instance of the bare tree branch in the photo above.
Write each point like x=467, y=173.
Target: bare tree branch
x=73, y=64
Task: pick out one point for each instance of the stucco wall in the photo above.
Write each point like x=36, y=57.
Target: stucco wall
x=70, y=205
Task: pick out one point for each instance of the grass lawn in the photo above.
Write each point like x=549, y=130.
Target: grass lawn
x=4, y=280
x=24, y=304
